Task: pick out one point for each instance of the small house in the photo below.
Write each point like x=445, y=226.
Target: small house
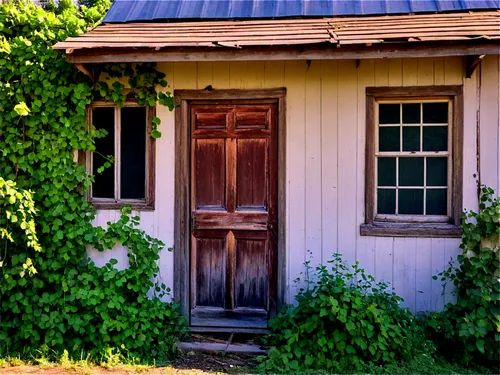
x=301, y=128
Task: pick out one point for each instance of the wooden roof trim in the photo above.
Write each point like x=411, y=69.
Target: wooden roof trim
x=120, y=55
x=265, y=33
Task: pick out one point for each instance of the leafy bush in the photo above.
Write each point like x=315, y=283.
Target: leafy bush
x=470, y=329
x=69, y=303
x=341, y=320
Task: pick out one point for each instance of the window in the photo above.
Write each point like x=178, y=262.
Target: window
x=130, y=179
x=413, y=162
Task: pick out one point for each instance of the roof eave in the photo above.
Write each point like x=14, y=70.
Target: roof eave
x=304, y=52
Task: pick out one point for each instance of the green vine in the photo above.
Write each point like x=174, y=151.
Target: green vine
x=142, y=79
x=474, y=320
x=18, y=208
x=69, y=303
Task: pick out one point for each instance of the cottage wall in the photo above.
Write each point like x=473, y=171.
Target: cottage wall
x=326, y=158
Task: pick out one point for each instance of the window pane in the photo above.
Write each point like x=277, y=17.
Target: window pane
x=435, y=138
x=104, y=185
x=411, y=138
x=133, y=152
x=435, y=113
x=386, y=201
x=436, y=202
x=411, y=113
x=411, y=171
x=411, y=201
x=437, y=171
x=388, y=114
x=386, y=173
x=388, y=138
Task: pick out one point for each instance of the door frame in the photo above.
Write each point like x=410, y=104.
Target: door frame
x=182, y=209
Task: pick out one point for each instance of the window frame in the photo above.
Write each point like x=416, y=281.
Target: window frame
x=414, y=225
x=146, y=204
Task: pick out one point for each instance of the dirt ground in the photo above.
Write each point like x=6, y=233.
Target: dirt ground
x=189, y=364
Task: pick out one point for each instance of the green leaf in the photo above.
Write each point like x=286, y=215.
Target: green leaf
x=480, y=345
x=155, y=134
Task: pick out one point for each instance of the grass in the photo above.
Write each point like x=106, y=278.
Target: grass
x=421, y=364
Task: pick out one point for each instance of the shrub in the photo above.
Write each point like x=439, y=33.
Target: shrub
x=342, y=319
x=470, y=329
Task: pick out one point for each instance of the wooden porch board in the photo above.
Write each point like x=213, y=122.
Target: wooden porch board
x=240, y=318
x=209, y=347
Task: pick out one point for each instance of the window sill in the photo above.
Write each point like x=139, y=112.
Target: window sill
x=119, y=205
x=385, y=229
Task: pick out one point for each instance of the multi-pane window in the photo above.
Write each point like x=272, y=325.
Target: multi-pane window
x=129, y=149
x=414, y=146
x=413, y=157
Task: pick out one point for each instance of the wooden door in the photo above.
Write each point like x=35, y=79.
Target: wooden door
x=233, y=214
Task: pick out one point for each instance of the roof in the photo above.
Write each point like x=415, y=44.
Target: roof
x=330, y=31
x=161, y=10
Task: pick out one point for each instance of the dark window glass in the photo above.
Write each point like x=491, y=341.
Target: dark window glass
x=435, y=138
x=411, y=113
x=133, y=153
x=388, y=138
x=437, y=171
x=388, y=114
x=411, y=138
x=386, y=201
x=104, y=185
x=386, y=173
x=411, y=201
x=411, y=171
x=436, y=202
x=435, y=113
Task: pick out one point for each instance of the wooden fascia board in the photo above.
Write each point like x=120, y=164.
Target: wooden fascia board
x=121, y=55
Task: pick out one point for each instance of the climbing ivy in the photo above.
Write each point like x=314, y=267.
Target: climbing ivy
x=69, y=303
x=470, y=328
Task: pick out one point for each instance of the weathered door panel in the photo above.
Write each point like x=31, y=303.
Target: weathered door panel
x=233, y=208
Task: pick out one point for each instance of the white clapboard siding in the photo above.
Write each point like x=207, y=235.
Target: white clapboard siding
x=325, y=163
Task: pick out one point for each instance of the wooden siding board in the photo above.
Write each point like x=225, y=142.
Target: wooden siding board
x=382, y=72
x=329, y=159
x=313, y=143
x=347, y=153
x=454, y=70
x=384, y=259
x=438, y=71
x=438, y=263
x=425, y=69
x=365, y=245
x=237, y=74
x=295, y=83
x=255, y=75
x=274, y=74
x=221, y=75
x=470, y=172
x=205, y=74
x=395, y=72
x=490, y=123
x=410, y=72
x=451, y=251
x=423, y=268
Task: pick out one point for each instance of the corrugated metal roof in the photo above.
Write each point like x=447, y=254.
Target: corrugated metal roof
x=336, y=31
x=155, y=10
